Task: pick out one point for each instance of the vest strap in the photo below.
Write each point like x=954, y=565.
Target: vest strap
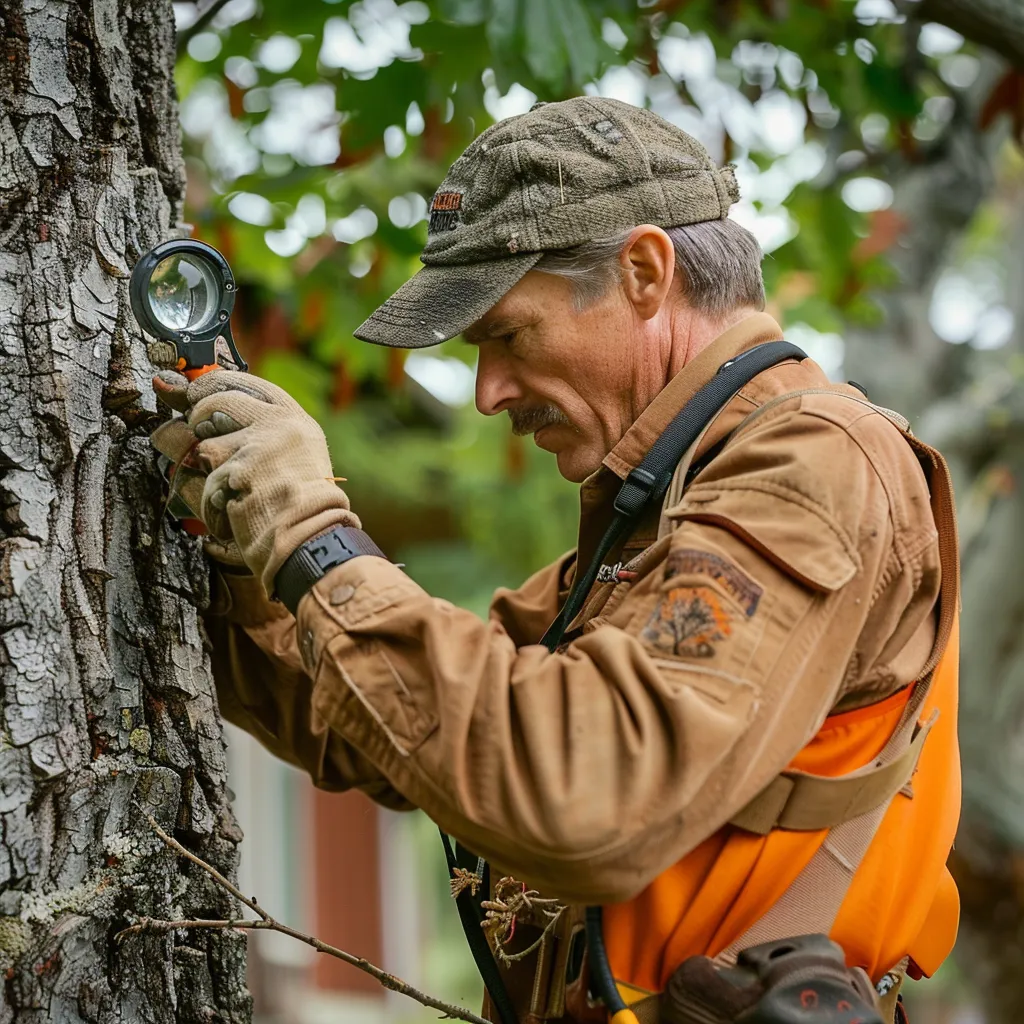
x=807, y=803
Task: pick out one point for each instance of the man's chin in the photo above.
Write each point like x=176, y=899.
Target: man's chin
x=573, y=469
x=572, y=464
x=564, y=443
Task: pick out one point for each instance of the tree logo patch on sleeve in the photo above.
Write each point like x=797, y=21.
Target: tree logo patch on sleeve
x=688, y=622
x=729, y=576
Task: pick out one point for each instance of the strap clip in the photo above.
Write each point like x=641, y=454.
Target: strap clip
x=635, y=492
x=609, y=573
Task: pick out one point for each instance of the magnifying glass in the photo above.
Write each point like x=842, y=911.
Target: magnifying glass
x=183, y=291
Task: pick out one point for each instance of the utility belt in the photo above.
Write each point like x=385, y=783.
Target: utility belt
x=797, y=980
x=759, y=979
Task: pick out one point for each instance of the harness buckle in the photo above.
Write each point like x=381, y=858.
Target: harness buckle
x=635, y=492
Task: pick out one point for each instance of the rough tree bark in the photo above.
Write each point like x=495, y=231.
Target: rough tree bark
x=106, y=693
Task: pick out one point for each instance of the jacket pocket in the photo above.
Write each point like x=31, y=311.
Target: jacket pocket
x=362, y=677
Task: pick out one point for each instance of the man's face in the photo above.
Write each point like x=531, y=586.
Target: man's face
x=574, y=379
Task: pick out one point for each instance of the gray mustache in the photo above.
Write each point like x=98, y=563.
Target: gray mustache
x=530, y=420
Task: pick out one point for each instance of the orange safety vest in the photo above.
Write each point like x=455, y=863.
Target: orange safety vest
x=902, y=901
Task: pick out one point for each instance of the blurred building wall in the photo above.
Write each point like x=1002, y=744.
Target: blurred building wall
x=335, y=866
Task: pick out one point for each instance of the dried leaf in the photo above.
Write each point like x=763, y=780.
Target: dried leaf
x=463, y=880
x=1007, y=96
x=886, y=229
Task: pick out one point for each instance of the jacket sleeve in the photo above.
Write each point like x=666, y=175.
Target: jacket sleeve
x=589, y=771
x=526, y=612
x=263, y=689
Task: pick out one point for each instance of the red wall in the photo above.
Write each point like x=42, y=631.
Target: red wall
x=346, y=888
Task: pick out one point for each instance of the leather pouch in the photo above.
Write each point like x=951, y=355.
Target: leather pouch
x=801, y=980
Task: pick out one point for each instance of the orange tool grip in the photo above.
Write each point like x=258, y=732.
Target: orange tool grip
x=192, y=374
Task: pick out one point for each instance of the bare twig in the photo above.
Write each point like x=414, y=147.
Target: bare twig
x=268, y=923
x=206, y=15
x=173, y=843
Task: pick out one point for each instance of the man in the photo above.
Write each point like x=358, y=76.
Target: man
x=779, y=610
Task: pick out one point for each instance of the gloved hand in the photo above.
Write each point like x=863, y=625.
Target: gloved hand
x=269, y=484
x=177, y=443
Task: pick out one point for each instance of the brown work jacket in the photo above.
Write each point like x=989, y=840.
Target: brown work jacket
x=796, y=575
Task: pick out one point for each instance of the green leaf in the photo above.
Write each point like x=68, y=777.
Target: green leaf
x=581, y=40
x=889, y=87
x=503, y=25
x=545, y=48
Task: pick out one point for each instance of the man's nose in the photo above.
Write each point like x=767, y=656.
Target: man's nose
x=496, y=387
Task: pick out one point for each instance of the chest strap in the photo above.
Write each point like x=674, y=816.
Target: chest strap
x=807, y=803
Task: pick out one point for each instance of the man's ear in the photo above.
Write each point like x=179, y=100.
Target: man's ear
x=648, y=261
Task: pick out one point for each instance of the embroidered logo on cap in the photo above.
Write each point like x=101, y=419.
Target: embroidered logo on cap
x=445, y=211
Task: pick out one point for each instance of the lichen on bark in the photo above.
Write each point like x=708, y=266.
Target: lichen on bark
x=108, y=707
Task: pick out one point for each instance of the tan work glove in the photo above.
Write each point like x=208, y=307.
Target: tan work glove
x=187, y=481
x=269, y=485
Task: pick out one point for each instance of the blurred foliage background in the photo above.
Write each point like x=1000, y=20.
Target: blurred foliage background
x=876, y=148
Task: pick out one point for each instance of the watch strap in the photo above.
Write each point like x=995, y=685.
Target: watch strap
x=312, y=561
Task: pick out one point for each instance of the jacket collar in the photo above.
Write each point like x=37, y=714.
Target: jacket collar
x=637, y=441
x=600, y=488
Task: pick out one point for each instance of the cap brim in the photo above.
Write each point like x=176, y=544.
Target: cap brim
x=440, y=302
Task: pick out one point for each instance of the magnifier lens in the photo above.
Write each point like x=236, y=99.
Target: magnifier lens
x=184, y=293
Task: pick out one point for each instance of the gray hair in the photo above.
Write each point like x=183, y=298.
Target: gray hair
x=718, y=261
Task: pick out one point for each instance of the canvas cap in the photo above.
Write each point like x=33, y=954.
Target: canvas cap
x=555, y=177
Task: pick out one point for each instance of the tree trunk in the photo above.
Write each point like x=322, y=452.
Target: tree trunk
x=108, y=705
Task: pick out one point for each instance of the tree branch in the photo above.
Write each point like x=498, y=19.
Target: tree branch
x=997, y=24
x=206, y=15
x=267, y=923
x=173, y=843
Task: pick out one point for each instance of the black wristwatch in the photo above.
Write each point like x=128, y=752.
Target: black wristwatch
x=312, y=561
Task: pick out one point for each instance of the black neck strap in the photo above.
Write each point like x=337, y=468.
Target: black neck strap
x=646, y=485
